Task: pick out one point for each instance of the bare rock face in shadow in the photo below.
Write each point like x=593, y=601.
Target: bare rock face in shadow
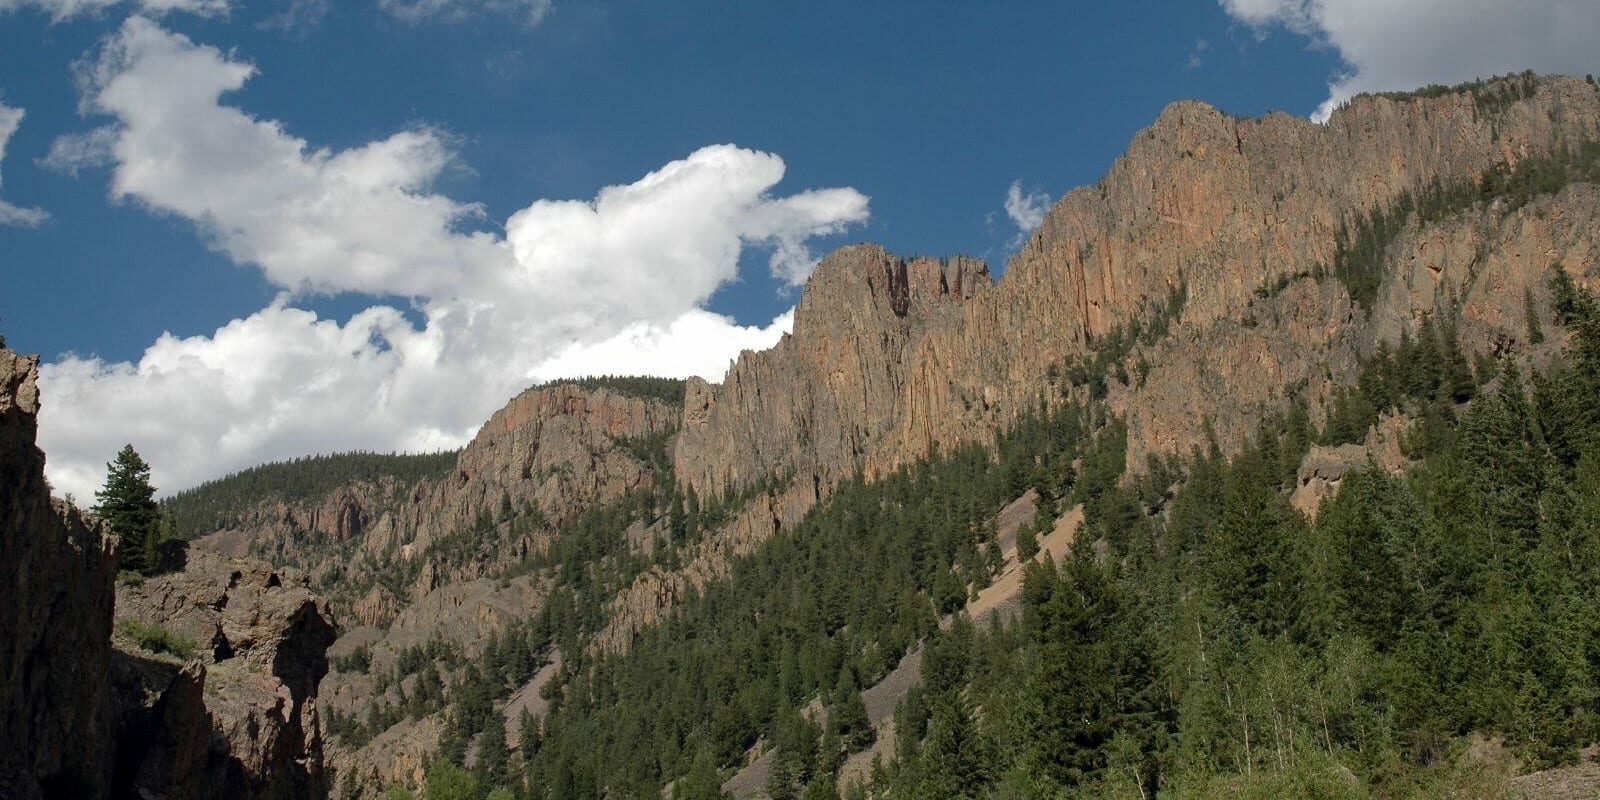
x=57, y=569
x=233, y=712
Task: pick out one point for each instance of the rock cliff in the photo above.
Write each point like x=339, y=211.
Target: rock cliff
x=57, y=569
x=558, y=449
x=1238, y=217
x=1218, y=205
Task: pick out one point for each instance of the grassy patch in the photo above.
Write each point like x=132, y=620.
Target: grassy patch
x=157, y=639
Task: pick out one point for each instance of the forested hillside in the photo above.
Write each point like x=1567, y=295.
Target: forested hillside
x=218, y=504
x=1212, y=641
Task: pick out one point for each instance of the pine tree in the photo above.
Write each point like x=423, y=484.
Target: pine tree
x=128, y=506
x=821, y=788
x=1027, y=543
x=702, y=782
x=780, y=781
x=528, y=736
x=1531, y=312
x=848, y=719
x=956, y=757
x=491, y=765
x=1073, y=688
x=446, y=781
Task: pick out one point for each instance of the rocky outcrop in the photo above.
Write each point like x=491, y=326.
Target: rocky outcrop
x=1323, y=469
x=890, y=357
x=558, y=449
x=1219, y=205
x=80, y=717
x=57, y=569
x=657, y=590
x=820, y=401
x=233, y=713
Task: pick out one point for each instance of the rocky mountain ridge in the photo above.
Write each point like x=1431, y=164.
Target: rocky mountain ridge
x=554, y=449
x=1237, y=215
x=1202, y=274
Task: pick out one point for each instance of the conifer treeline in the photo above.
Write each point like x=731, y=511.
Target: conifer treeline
x=219, y=503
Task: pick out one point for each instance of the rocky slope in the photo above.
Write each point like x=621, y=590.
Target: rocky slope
x=237, y=716
x=408, y=565
x=891, y=356
x=556, y=449
x=1219, y=205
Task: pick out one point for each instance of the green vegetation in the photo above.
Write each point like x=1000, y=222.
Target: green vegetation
x=357, y=660
x=644, y=387
x=1107, y=357
x=218, y=504
x=1425, y=378
x=1490, y=96
x=1201, y=638
x=157, y=639
x=1226, y=645
x=817, y=612
x=1360, y=248
x=127, y=504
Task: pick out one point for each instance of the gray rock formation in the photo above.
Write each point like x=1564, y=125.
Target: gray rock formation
x=237, y=717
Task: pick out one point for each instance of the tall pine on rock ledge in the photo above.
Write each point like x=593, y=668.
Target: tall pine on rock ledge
x=128, y=506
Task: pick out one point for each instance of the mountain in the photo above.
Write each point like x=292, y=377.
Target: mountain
x=1262, y=377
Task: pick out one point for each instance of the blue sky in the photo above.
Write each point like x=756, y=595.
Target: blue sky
x=376, y=220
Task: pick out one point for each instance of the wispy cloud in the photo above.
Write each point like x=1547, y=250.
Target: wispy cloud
x=10, y=120
x=72, y=152
x=62, y=10
x=530, y=12
x=1026, y=210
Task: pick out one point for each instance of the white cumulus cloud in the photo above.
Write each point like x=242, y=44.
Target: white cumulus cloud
x=1390, y=45
x=10, y=120
x=612, y=284
x=698, y=342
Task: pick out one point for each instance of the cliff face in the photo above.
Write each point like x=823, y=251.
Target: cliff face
x=818, y=402
x=56, y=577
x=558, y=449
x=1236, y=214
x=1219, y=205
x=890, y=357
